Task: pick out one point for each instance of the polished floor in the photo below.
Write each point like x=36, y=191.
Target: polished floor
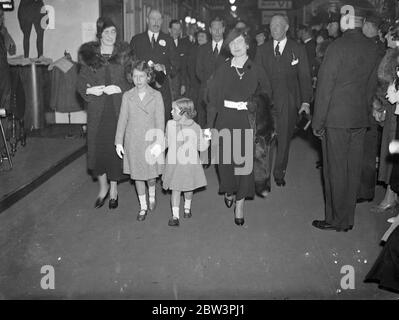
x=108, y=254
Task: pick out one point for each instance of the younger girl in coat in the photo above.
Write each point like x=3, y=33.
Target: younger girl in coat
x=183, y=170
x=141, y=118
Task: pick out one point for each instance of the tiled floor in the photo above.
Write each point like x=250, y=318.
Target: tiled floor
x=108, y=254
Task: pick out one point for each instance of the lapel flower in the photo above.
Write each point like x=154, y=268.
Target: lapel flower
x=295, y=60
x=162, y=42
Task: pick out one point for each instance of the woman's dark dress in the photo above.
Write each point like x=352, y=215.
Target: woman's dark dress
x=227, y=85
x=102, y=113
x=107, y=161
x=385, y=270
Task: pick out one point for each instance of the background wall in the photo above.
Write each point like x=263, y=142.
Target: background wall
x=67, y=35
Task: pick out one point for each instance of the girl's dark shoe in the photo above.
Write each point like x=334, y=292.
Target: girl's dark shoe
x=174, y=222
x=113, y=203
x=100, y=201
x=238, y=221
x=187, y=213
x=142, y=215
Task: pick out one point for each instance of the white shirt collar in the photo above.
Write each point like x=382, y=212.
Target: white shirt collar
x=307, y=40
x=150, y=33
x=235, y=64
x=220, y=43
x=281, y=45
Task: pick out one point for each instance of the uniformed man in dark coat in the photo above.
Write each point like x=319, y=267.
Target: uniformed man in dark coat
x=347, y=81
x=368, y=178
x=333, y=26
x=287, y=67
x=158, y=47
x=210, y=56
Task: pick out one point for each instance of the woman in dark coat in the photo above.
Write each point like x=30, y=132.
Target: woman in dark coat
x=232, y=87
x=101, y=83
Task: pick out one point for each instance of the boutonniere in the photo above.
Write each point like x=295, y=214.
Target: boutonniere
x=295, y=60
x=162, y=42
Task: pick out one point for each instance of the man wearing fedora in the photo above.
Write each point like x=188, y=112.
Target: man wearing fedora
x=347, y=82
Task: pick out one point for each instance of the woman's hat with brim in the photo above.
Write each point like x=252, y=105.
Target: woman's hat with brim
x=234, y=34
x=102, y=24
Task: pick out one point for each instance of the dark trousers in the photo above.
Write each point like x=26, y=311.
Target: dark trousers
x=368, y=178
x=201, y=108
x=285, y=124
x=342, y=165
x=167, y=99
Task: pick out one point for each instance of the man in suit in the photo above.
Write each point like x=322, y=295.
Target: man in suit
x=368, y=178
x=287, y=67
x=210, y=57
x=158, y=47
x=347, y=82
x=305, y=35
x=193, y=83
x=182, y=47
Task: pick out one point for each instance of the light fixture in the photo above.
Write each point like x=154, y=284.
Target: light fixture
x=193, y=20
x=187, y=19
x=232, y=1
x=233, y=8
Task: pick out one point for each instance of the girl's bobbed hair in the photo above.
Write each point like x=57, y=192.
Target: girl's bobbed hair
x=186, y=107
x=140, y=65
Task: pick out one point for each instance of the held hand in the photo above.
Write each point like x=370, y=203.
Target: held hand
x=95, y=91
x=305, y=107
x=160, y=67
x=208, y=134
x=379, y=116
x=120, y=151
x=319, y=133
x=112, y=89
x=156, y=150
x=182, y=90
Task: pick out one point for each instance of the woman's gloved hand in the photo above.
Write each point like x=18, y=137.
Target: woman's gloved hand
x=120, y=151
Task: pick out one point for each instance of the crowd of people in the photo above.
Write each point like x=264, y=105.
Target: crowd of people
x=161, y=105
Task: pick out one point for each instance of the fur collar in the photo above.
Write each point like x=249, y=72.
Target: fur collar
x=387, y=68
x=89, y=54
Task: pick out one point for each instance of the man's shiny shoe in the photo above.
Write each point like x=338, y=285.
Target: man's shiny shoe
x=228, y=202
x=323, y=225
x=344, y=230
x=113, y=203
x=142, y=215
x=174, y=222
x=100, y=201
x=280, y=182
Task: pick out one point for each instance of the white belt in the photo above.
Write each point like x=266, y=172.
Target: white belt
x=235, y=105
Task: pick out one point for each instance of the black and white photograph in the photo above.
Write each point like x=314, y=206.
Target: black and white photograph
x=199, y=154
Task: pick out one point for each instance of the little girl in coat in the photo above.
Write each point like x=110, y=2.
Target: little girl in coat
x=140, y=135
x=183, y=169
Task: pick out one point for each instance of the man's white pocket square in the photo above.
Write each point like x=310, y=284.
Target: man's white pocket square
x=294, y=62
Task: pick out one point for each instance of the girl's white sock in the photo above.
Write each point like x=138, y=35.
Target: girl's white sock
x=175, y=212
x=187, y=204
x=143, y=202
x=151, y=193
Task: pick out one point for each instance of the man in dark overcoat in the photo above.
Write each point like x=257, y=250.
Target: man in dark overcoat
x=209, y=57
x=347, y=82
x=287, y=67
x=158, y=47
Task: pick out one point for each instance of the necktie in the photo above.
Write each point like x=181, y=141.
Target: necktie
x=277, y=50
x=153, y=40
x=216, y=51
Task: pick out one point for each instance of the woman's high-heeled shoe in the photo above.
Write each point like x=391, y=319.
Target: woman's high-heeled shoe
x=238, y=221
x=384, y=208
x=229, y=202
x=113, y=203
x=100, y=201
